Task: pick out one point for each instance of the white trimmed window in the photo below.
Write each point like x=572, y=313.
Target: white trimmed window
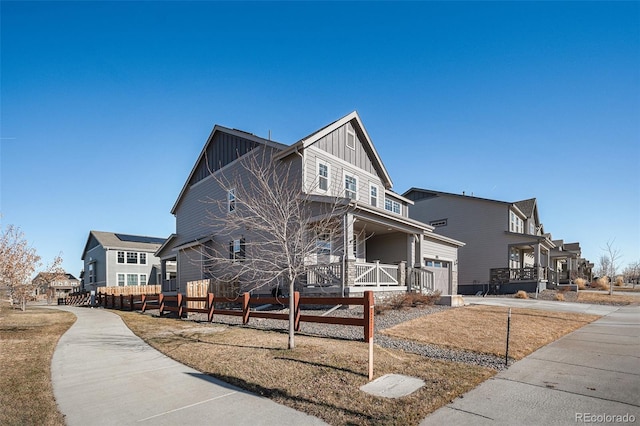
x=351, y=139
x=392, y=206
x=323, y=176
x=516, y=224
x=351, y=186
x=120, y=280
x=323, y=244
x=132, y=279
x=120, y=257
x=143, y=258
x=231, y=200
x=143, y=279
x=132, y=257
x=373, y=195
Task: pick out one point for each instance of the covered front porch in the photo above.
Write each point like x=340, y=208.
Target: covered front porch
x=528, y=270
x=374, y=252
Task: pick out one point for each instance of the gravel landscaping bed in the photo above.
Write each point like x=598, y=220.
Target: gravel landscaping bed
x=382, y=321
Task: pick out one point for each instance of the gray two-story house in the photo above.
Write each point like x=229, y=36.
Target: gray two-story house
x=113, y=259
x=505, y=243
x=379, y=247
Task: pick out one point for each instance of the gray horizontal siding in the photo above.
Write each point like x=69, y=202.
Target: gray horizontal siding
x=480, y=224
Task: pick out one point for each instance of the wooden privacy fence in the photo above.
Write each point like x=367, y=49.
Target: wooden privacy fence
x=132, y=289
x=180, y=305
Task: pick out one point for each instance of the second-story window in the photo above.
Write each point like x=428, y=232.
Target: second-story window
x=351, y=187
x=373, y=198
x=120, y=257
x=392, y=206
x=132, y=257
x=516, y=224
x=143, y=258
x=231, y=198
x=323, y=176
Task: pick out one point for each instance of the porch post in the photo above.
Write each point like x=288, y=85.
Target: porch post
x=536, y=261
x=349, y=273
x=419, y=250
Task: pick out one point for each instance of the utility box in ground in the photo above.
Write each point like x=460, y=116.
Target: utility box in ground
x=455, y=300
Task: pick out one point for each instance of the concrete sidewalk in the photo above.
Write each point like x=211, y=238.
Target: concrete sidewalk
x=589, y=376
x=103, y=374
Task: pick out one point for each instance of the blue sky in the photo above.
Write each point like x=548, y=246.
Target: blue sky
x=106, y=106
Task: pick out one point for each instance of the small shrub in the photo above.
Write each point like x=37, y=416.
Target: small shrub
x=602, y=283
x=619, y=281
x=560, y=297
x=581, y=283
x=521, y=294
x=408, y=300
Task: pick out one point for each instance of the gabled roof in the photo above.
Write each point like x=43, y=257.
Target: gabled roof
x=216, y=129
x=526, y=207
x=112, y=240
x=355, y=120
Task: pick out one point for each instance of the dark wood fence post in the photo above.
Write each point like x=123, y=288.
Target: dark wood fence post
x=131, y=302
x=161, y=303
x=245, y=307
x=180, y=305
x=121, y=301
x=210, y=304
x=369, y=307
x=296, y=310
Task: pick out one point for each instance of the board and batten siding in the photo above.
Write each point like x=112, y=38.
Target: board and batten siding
x=480, y=224
x=335, y=143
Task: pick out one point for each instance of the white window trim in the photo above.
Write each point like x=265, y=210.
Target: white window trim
x=124, y=280
x=346, y=142
x=231, y=192
x=394, y=203
x=346, y=173
x=140, y=279
x=320, y=161
x=371, y=186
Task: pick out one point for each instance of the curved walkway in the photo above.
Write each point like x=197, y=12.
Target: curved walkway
x=590, y=376
x=103, y=374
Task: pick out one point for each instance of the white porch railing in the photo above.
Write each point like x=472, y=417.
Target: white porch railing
x=323, y=275
x=376, y=274
x=421, y=280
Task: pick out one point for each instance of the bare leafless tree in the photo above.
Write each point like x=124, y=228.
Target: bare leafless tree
x=270, y=229
x=18, y=262
x=613, y=255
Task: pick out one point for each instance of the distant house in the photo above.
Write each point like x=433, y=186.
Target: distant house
x=567, y=263
x=112, y=259
x=52, y=285
x=506, y=246
x=379, y=247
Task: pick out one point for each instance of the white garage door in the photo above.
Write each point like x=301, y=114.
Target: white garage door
x=441, y=273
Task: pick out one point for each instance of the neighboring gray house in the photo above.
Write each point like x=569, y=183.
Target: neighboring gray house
x=567, y=263
x=505, y=242
x=385, y=249
x=112, y=259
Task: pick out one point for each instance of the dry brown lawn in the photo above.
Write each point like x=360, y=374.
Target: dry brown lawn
x=27, y=342
x=605, y=298
x=320, y=376
x=484, y=329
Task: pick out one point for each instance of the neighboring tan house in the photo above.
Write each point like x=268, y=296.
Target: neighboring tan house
x=52, y=285
x=112, y=259
x=385, y=249
x=505, y=244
